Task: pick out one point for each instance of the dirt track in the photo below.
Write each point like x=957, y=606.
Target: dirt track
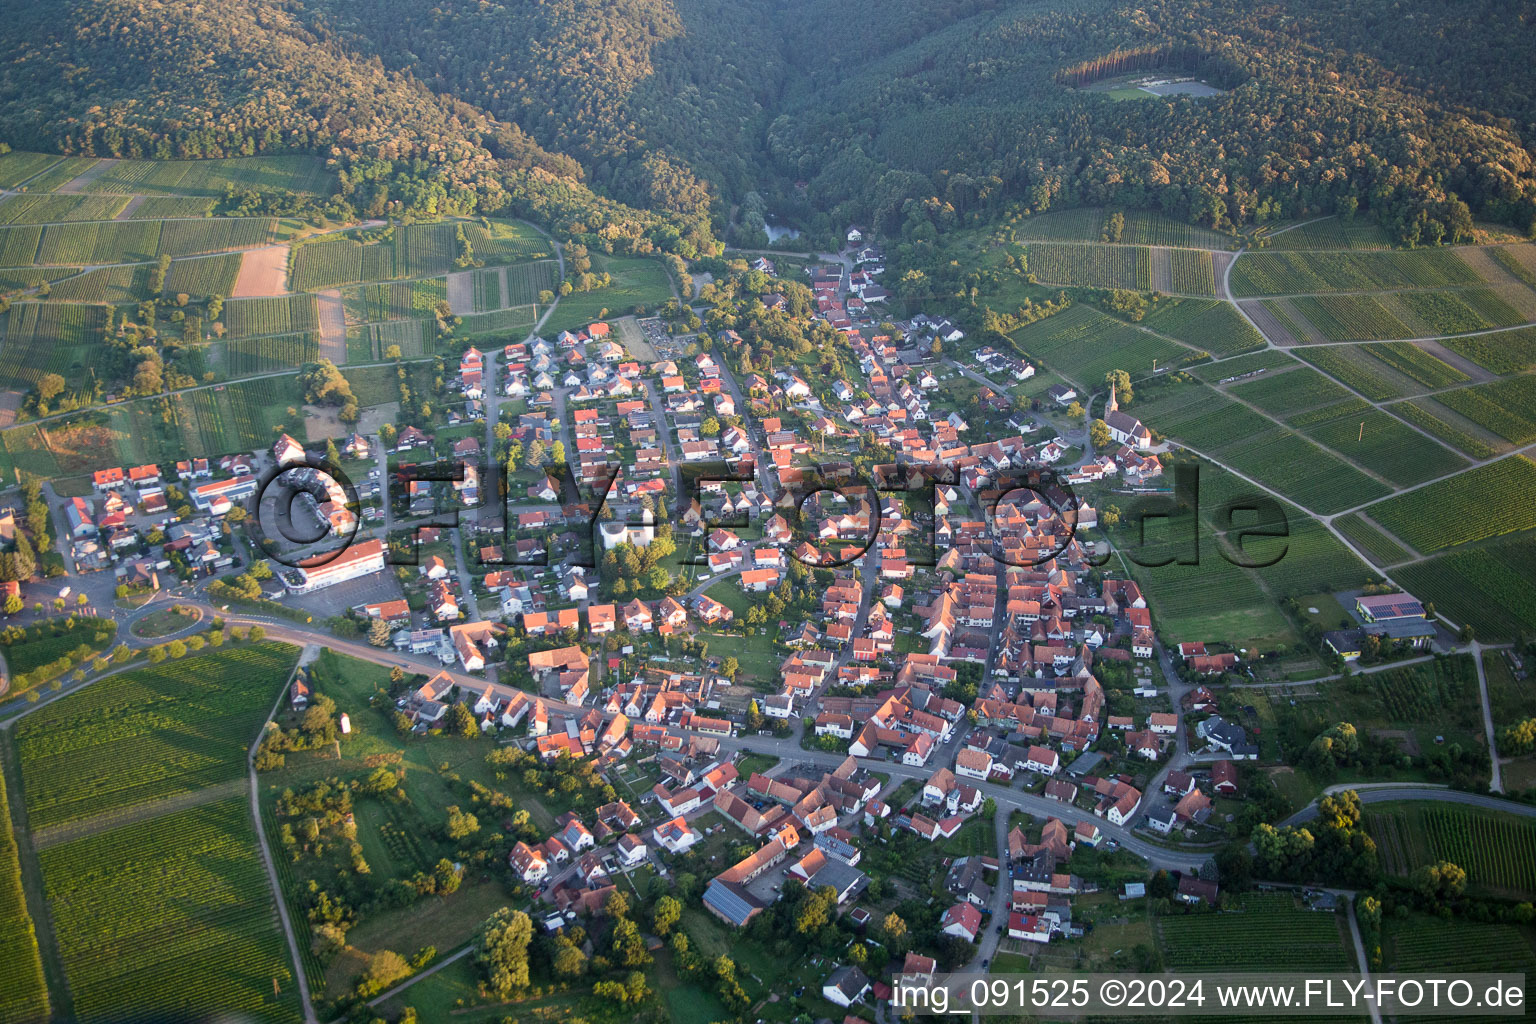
x=263, y=272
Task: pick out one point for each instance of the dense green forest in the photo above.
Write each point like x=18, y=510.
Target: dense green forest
x=674, y=122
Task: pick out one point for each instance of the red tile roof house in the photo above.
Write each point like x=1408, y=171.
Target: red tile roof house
x=961, y=920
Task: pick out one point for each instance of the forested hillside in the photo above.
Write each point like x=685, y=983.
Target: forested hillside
x=895, y=112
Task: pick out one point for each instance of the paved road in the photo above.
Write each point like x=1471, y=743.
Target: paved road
x=1382, y=793
x=267, y=862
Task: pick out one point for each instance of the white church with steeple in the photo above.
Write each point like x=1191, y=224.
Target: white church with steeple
x=1125, y=428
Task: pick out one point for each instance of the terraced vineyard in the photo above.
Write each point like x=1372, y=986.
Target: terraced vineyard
x=211, y=177
x=203, y=276
x=148, y=734
x=23, y=992
x=1093, y=266
x=1491, y=500
x=1412, y=361
x=283, y=315
x=1083, y=345
x=396, y=301
x=170, y=919
x=1424, y=414
x=1216, y=327
x=1351, y=317
x=1505, y=407
x=1386, y=446
x=43, y=208
x=327, y=264
x=1299, y=273
x=1498, y=851
x=1142, y=227
x=47, y=338
x=244, y=356
x=1271, y=933
x=1192, y=272
x=1282, y=394
x=526, y=280
x=1381, y=549
x=115, y=285
x=1355, y=367
x=1489, y=587
x=1331, y=233
x=1502, y=353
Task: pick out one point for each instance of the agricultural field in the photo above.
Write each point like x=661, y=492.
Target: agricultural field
x=401, y=300
x=1487, y=587
x=1412, y=361
x=286, y=314
x=48, y=337
x=128, y=241
x=1314, y=560
x=1422, y=693
x=170, y=919
x=115, y=285
x=44, y=643
x=62, y=173
x=150, y=733
x=1381, y=549
x=516, y=319
x=1290, y=320
x=1084, y=344
x=16, y=167
x=1502, y=352
x=1192, y=272
x=1307, y=474
x=1355, y=368
x=1510, y=698
x=23, y=991
x=1485, y=502
x=1386, y=446
x=1444, y=312
x=1351, y=317
x=1282, y=394
x=305, y=174
x=203, y=276
x=1300, y=273
x=189, y=237
x=368, y=344
x=18, y=245
x=1226, y=370
x=43, y=208
x=1437, y=420
x=1142, y=227
x=332, y=262
x=524, y=281
x=508, y=241
x=1505, y=407
x=1216, y=327
x=1422, y=943
x=487, y=289
x=1091, y=266
x=1518, y=260
x=167, y=207
x=1331, y=233
x=17, y=279
x=1498, y=851
x=245, y=356
x=1270, y=933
